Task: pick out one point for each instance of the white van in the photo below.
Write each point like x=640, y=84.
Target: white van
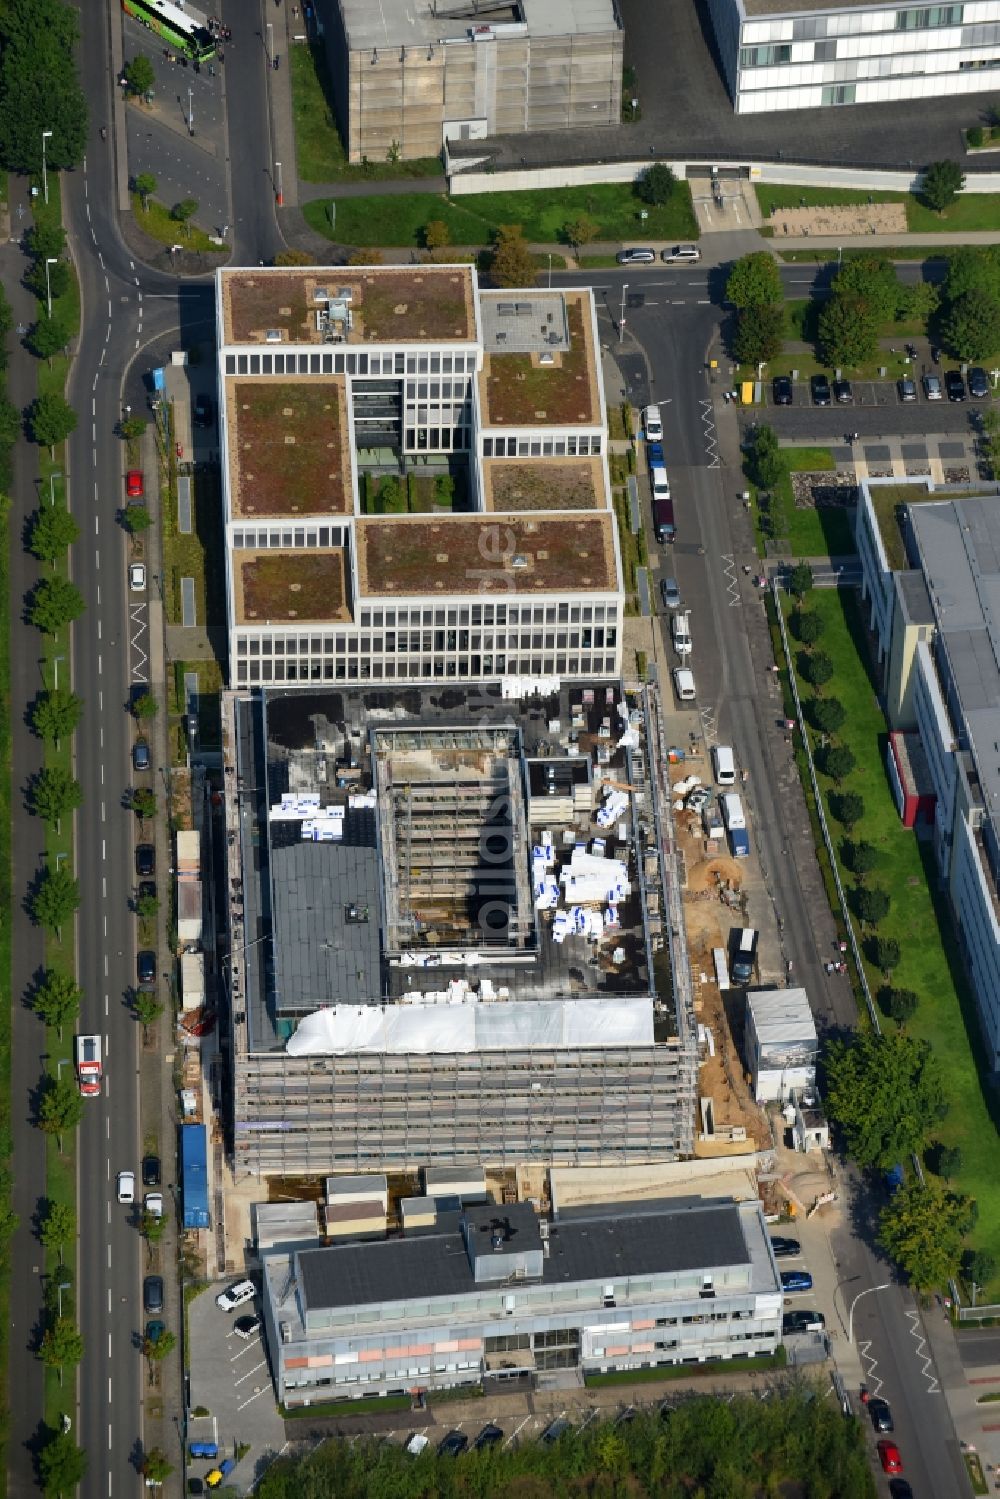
x=684, y=685
x=660, y=482
x=732, y=812
x=725, y=765
x=652, y=424
x=680, y=629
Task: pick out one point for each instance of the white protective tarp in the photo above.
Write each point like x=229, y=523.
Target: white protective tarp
x=470, y=1027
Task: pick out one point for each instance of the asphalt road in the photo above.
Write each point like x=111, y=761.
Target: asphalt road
x=979, y=1350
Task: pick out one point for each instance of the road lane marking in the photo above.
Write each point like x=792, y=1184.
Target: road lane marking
x=933, y=1388
x=109, y=1377
x=104, y=817
x=99, y=629
x=104, y=846
x=109, y=1335
x=250, y=1372
x=107, y=1136
x=109, y=1436
x=105, y=1005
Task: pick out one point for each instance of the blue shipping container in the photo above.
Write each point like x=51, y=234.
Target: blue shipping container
x=194, y=1176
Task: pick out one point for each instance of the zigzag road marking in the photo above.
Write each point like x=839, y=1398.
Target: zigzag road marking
x=732, y=581
x=933, y=1388
x=872, y=1380
x=711, y=443
x=137, y=617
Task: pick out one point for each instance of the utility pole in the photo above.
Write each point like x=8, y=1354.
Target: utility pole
x=281, y=196
x=46, y=136
x=190, y=111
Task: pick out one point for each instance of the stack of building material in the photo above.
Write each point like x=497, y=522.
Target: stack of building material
x=356, y=1207
x=189, y=896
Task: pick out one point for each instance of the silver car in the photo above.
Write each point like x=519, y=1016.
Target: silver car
x=932, y=387
x=680, y=255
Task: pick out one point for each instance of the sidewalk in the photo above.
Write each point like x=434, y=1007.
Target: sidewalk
x=881, y=241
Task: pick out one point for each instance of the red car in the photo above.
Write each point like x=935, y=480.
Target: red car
x=134, y=487
x=888, y=1456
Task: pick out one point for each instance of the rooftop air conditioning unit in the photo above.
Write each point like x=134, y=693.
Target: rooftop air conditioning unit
x=519, y=561
x=345, y=294
x=272, y=336
x=320, y=294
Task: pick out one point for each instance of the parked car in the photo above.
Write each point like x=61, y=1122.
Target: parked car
x=195, y=1486
x=203, y=410
x=979, y=385
x=888, y=1456
x=238, y=1294
x=681, y=255
x=654, y=454
x=416, y=1444
x=145, y=859
x=145, y=966
x=900, y=1489
x=802, y=1321
x=680, y=630
x=555, y=1429
x=907, y=389
x=135, y=486
x=781, y=390
x=137, y=577
x=151, y=1170
x=652, y=425
x=125, y=1184
x=843, y=392
x=684, y=684
x=881, y=1415
x=670, y=594
x=147, y=890
x=152, y=1204
x=490, y=1436
x=819, y=389
x=932, y=387
x=796, y=1280
x=784, y=1248
x=954, y=385
x=246, y=1328
x=155, y=1331
x=140, y=755
x=152, y=1293
x=454, y=1443
x=635, y=256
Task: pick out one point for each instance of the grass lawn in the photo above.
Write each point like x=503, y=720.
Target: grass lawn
x=400, y=220
x=157, y=222
x=198, y=554
x=209, y=697
x=918, y=918
x=6, y=904
x=319, y=151
x=826, y=531
x=970, y=211
x=891, y=252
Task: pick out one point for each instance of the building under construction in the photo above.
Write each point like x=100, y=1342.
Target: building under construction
x=447, y=938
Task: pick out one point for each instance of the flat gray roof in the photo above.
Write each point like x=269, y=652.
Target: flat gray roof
x=672, y=1240
x=404, y=23
x=916, y=599
x=321, y=957
x=958, y=542
x=801, y=8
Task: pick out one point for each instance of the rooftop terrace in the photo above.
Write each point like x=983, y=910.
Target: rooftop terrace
x=889, y=501
x=388, y=305
x=519, y=390
x=289, y=447
x=544, y=484
x=403, y=555
x=275, y=587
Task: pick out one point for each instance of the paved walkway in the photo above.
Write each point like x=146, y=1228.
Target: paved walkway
x=884, y=241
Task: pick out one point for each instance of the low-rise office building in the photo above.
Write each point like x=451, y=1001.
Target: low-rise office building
x=792, y=54
x=931, y=585
x=506, y=1295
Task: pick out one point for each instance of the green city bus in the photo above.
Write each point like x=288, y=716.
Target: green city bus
x=185, y=28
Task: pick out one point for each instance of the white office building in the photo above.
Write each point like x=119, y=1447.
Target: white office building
x=781, y=54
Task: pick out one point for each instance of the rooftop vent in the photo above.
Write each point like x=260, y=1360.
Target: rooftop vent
x=273, y=336
x=519, y=561
x=320, y=294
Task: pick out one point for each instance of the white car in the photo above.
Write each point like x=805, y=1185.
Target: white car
x=932, y=387
x=652, y=424
x=684, y=684
x=680, y=629
x=153, y=1204
x=680, y=255
x=236, y=1295
x=137, y=577
x=126, y=1187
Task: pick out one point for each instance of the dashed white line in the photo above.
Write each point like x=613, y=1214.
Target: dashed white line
x=109, y=1335
x=104, y=849
x=109, y=1436
x=105, y=965
x=98, y=629
x=109, y=1378
x=104, y=815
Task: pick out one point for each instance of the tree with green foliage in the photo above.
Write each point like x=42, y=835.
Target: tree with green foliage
x=183, y=212
x=978, y=1266
x=146, y=907
x=807, y=625
x=800, y=580
x=136, y=519
x=39, y=89
x=437, y=235
x=871, y=904
x=57, y=999
x=581, y=231
x=133, y=427
x=10, y=423
x=48, y=280
x=55, y=715
x=837, y=762
x=922, y=1228
x=755, y=281
x=139, y=74
x=147, y=1009
x=884, y=1092
x=656, y=184
x=943, y=181
x=511, y=262
x=872, y=279
x=884, y=953
x=55, y=602
x=145, y=186
x=156, y=1467
x=848, y=808
x=828, y=714
x=970, y=327
x=765, y=466
x=46, y=240
x=144, y=706
x=62, y=1344
x=152, y=1226
x=62, y=1466
x=157, y=1349
x=815, y=667
x=972, y=268
x=48, y=337
x=144, y=803
x=948, y=1161
x=57, y=1229
x=53, y=529
x=848, y=331
x=59, y=1106
x=51, y=419
x=54, y=899
x=859, y=857
x=899, y=1004
x=54, y=791
x=759, y=334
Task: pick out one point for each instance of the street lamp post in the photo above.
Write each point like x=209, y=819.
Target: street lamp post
x=52, y=490
x=869, y=1292
x=63, y=1285
x=281, y=196
x=270, y=42
x=49, y=260
x=550, y=270
x=621, y=320
x=46, y=136
x=190, y=111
